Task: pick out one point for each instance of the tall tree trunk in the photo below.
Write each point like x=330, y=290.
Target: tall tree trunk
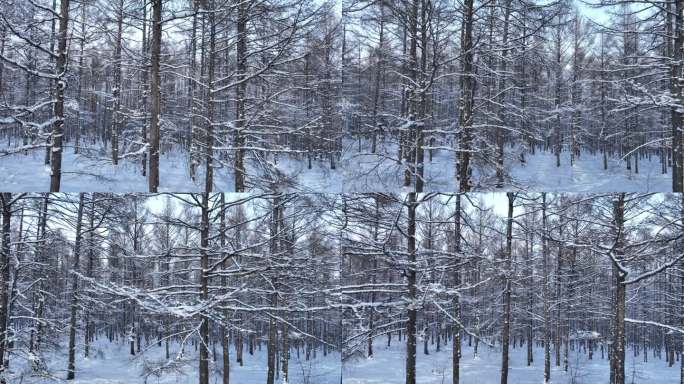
x=155, y=95
x=505, y=333
x=204, y=292
x=676, y=90
x=559, y=78
x=116, y=92
x=145, y=86
x=53, y=83
x=274, y=247
x=604, y=134
x=89, y=273
x=412, y=292
x=225, y=333
x=240, y=89
x=559, y=293
x=546, y=294
x=6, y=200
x=617, y=355
x=79, y=127
x=575, y=91
x=456, y=328
x=58, y=106
x=209, y=130
x=378, y=76
x=465, y=118
x=503, y=67
x=410, y=154
x=71, y=368
x=376, y=225
x=192, y=105
x=529, y=273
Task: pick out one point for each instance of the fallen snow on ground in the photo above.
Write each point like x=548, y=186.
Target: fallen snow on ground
x=387, y=367
x=112, y=364
x=356, y=171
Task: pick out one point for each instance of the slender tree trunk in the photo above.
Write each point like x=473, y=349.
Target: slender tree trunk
x=559, y=78
x=604, y=134
x=529, y=262
x=546, y=295
x=378, y=75
x=410, y=154
x=116, y=92
x=617, y=355
x=503, y=68
x=209, y=130
x=240, y=89
x=676, y=90
x=58, y=106
x=505, y=333
x=89, y=273
x=225, y=333
x=575, y=92
x=6, y=200
x=155, y=95
x=145, y=86
x=79, y=127
x=192, y=105
x=412, y=292
x=456, y=328
x=71, y=368
x=204, y=292
x=465, y=119
x=53, y=83
x=276, y=212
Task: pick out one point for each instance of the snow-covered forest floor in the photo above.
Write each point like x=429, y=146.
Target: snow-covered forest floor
x=355, y=172
x=111, y=363
x=387, y=367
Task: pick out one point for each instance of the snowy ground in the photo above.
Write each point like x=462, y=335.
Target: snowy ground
x=356, y=172
x=111, y=364
x=387, y=367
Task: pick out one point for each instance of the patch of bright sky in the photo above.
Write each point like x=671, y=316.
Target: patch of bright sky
x=598, y=14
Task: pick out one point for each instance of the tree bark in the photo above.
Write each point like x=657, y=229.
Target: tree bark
x=546, y=295
x=6, y=200
x=155, y=95
x=116, y=92
x=456, y=328
x=58, y=106
x=617, y=356
x=412, y=292
x=209, y=129
x=503, y=67
x=505, y=333
x=465, y=118
x=71, y=368
x=676, y=90
x=225, y=333
x=77, y=140
x=204, y=292
x=240, y=89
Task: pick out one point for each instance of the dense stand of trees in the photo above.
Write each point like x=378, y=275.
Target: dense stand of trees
x=229, y=84
x=173, y=272
x=238, y=88
x=595, y=275
x=489, y=83
x=601, y=275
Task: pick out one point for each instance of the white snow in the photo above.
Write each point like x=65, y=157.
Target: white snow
x=111, y=363
x=356, y=172
x=387, y=367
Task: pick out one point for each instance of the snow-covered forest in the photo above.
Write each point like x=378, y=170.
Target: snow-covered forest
x=342, y=191
x=342, y=288
x=340, y=96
